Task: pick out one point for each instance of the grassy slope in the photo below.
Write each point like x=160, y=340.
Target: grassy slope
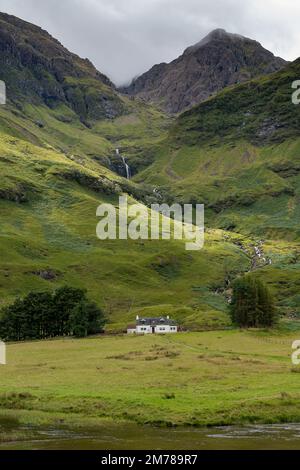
x=240, y=184
x=149, y=277
x=54, y=229
x=61, y=128
x=239, y=153
x=196, y=378
x=247, y=188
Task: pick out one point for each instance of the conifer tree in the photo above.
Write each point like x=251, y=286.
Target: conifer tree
x=252, y=304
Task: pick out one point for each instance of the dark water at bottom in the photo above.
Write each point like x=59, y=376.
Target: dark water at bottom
x=133, y=437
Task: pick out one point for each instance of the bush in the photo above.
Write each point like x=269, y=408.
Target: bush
x=252, y=304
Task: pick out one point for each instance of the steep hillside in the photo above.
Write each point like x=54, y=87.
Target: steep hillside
x=56, y=97
x=58, y=162
x=48, y=222
x=48, y=201
x=39, y=70
x=221, y=59
x=236, y=152
x=260, y=111
x=239, y=153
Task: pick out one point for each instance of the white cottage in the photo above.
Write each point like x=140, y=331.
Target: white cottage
x=146, y=326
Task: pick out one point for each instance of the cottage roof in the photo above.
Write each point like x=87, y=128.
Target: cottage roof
x=155, y=321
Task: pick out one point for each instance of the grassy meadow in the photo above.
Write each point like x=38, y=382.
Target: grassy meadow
x=200, y=379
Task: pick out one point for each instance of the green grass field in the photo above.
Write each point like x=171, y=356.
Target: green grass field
x=201, y=379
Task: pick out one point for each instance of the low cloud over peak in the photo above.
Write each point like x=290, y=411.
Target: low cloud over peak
x=124, y=38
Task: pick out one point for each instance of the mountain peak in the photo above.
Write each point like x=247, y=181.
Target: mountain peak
x=218, y=34
x=219, y=60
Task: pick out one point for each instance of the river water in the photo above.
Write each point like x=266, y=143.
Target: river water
x=133, y=437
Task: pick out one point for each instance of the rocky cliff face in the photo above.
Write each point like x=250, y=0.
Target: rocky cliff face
x=38, y=69
x=219, y=60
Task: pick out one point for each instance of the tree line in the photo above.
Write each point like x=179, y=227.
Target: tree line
x=40, y=315
x=68, y=312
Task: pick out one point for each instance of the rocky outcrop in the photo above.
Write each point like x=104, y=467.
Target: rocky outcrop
x=99, y=184
x=47, y=274
x=221, y=59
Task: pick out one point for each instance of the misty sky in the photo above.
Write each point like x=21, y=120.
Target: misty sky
x=124, y=38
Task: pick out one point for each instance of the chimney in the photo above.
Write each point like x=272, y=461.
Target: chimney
x=168, y=318
x=137, y=318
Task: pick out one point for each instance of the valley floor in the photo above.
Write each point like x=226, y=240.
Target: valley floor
x=199, y=379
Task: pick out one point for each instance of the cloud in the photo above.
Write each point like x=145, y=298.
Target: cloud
x=124, y=38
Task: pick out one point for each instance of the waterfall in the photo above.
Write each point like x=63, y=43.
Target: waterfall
x=126, y=166
x=157, y=193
